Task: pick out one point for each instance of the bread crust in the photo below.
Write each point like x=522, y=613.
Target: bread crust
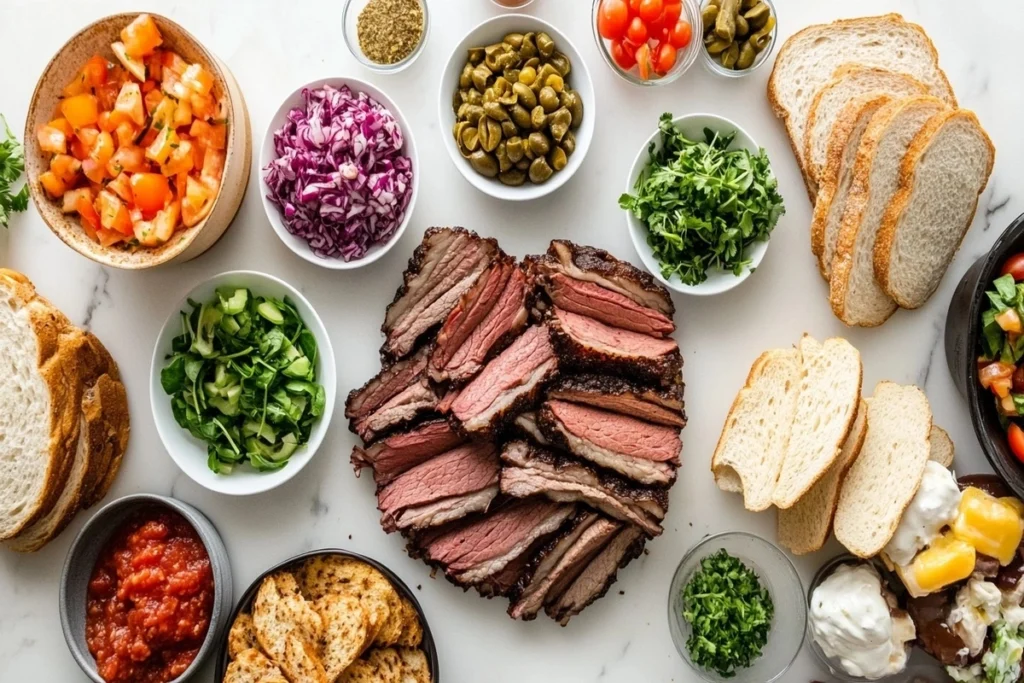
x=857, y=200
x=783, y=54
x=890, y=220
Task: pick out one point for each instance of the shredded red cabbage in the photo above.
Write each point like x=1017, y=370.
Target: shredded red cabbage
x=340, y=179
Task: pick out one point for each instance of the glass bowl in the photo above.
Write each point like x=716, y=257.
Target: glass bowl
x=715, y=67
x=512, y=4
x=684, y=58
x=350, y=20
x=777, y=574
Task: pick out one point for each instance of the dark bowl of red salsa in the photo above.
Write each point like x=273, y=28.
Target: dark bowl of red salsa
x=967, y=354
x=145, y=592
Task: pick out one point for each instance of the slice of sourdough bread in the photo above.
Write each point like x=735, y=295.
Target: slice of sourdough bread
x=753, y=441
x=39, y=405
x=830, y=383
x=941, y=448
x=886, y=475
x=855, y=295
x=837, y=177
x=808, y=59
x=848, y=82
x=805, y=527
x=941, y=177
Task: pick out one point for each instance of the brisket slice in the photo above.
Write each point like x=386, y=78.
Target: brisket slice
x=585, y=344
x=529, y=470
x=444, y=266
x=503, y=582
x=641, y=451
x=526, y=423
x=485, y=319
x=389, y=382
x=588, y=264
x=483, y=547
x=509, y=383
x=598, y=576
x=610, y=307
x=547, y=554
x=442, y=489
x=662, y=406
x=398, y=394
x=399, y=452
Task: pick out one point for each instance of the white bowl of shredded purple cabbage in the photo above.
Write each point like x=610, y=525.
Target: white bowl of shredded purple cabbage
x=339, y=174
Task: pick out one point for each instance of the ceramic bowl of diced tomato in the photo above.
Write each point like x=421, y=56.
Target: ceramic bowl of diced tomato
x=648, y=42
x=138, y=145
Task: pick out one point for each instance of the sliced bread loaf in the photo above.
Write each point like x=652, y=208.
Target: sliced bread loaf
x=855, y=295
x=830, y=382
x=805, y=527
x=941, y=448
x=945, y=170
x=753, y=441
x=848, y=82
x=809, y=58
x=837, y=177
x=886, y=475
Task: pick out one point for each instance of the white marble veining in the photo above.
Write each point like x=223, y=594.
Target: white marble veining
x=272, y=46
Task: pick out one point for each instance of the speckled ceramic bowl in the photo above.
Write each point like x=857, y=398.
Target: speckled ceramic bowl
x=85, y=550
x=186, y=244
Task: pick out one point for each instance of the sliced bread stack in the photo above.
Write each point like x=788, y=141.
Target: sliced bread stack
x=893, y=168
x=63, y=417
x=799, y=437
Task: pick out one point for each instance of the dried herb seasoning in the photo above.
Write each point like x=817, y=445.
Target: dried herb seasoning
x=390, y=30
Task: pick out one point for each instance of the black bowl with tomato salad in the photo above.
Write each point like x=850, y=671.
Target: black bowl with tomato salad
x=145, y=591
x=245, y=603
x=969, y=351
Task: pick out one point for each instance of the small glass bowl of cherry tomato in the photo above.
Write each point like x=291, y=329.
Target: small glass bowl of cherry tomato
x=648, y=42
x=714, y=62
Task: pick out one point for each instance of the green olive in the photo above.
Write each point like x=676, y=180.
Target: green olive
x=506, y=60
x=561, y=63
x=515, y=148
x=548, y=98
x=474, y=96
x=466, y=77
x=525, y=96
x=763, y=36
x=528, y=49
x=538, y=119
x=725, y=22
x=568, y=144
x=742, y=27
x=555, y=82
x=523, y=164
x=545, y=45
x=513, y=177
x=521, y=116
x=501, y=154
x=557, y=158
x=483, y=163
x=473, y=113
x=508, y=129
x=527, y=75
x=757, y=16
x=533, y=62
x=539, y=144
x=489, y=131
x=511, y=74
x=546, y=71
x=540, y=171
x=717, y=46
x=514, y=39
x=730, y=56
x=481, y=74
x=496, y=111
x=558, y=123
x=572, y=101
x=460, y=99
x=747, y=4
x=708, y=16
x=470, y=141
x=747, y=56
x=476, y=55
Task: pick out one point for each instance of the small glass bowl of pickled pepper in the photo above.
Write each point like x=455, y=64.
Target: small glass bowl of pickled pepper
x=738, y=35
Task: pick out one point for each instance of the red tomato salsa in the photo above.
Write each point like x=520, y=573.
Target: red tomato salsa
x=150, y=599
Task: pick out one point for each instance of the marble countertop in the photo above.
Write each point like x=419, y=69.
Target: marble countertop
x=623, y=637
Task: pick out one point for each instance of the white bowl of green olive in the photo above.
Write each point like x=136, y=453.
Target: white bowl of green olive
x=738, y=35
x=516, y=107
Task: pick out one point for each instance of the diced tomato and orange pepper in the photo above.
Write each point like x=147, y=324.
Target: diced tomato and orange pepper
x=138, y=145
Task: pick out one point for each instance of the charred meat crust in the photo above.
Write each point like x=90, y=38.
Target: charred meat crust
x=583, y=516
x=578, y=387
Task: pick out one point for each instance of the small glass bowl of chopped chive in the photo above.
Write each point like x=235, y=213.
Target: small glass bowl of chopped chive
x=386, y=36
x=736, y=609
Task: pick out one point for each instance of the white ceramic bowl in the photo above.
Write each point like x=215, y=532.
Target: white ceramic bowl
x=491, y=31
x=718, y=281
x=267, y=154
x=190, y=453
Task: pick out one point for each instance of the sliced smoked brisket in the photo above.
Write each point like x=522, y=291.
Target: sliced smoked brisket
x=399, y=452
x=641, y=451
x=507, y=384
x=526, y=423
x=398, y=394
x=443, y=267
x=619, y=395
x=445, y=488
x=588, y=345
x=529, y=470
x=610, y=307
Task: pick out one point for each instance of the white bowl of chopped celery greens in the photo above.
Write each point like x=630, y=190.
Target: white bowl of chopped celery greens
x=243, y=383
x=700, y=219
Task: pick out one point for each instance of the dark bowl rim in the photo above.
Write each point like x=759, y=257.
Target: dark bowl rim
x=98, y=525
x=1007, y=470
x=428, y=646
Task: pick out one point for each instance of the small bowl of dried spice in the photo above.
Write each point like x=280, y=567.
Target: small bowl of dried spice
x=386, y=35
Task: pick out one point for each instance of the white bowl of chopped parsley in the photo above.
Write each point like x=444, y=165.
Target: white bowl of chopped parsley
x=736, y=609
x=701, y=202
x=243, y=383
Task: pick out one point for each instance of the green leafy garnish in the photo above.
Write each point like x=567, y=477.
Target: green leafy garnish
x=12, y=165
x=995, y=343
x=730, y=614
x=703, y=204
x=242, y=378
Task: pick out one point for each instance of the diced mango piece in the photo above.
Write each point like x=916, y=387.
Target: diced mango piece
x=993, y=526
x=947, y=560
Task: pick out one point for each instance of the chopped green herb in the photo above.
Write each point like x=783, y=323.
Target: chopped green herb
x=703, y=204
x=12, y=165
x=730, y=613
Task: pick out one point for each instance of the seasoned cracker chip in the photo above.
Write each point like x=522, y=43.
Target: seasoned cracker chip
x=242, y=636
x=415, y=668
x=346, y=624
x=251, y=666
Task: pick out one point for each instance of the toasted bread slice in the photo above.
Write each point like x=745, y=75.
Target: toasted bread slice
x=942, y=175
x=805, y=527
x=415, y=668
x=387, y=664
x=301, y=663
x=848, y=81
x=324, y=575
x=345, y=636
x=252, y=666
x=412, y=631
x=361, y=671
x=886, y=475
x=837, y=177
x=941, y=448
x=830, y=382
x=288, y=629
x=855, y=295
x=749, y=454
x=242, y=635
x=809, y=58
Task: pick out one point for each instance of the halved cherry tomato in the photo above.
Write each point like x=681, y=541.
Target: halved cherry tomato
x=665, y=59
x=623, y=54
x=141, y=37
x=650, y=10
x=150, y=191
x=680, y=34
x=612, y=19
x=670, y=14
x=1015, y=437
x=637, y=31
x=634, y=7
x=643, y=61
x=95, y=71
x=1014, y=266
